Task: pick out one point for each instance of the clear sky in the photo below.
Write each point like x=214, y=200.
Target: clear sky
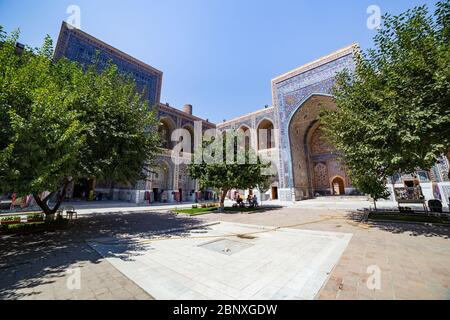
x=218, y=55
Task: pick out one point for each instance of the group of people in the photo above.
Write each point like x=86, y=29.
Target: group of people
x=252, y=201
x=17, y=201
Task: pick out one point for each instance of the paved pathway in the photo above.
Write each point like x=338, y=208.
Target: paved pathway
x=216, y=263
x=414, y=259
x=43, y=266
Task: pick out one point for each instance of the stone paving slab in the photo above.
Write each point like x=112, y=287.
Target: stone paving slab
x=270, y=264
x=414, y=259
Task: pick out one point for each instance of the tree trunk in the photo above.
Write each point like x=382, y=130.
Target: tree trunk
x=43, y=203
x=375, y=204
x=261, y=193
x=223, y=194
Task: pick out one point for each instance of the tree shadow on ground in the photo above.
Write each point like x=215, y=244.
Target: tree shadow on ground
x=263, y=208
x=31, y=260
x=413, y=229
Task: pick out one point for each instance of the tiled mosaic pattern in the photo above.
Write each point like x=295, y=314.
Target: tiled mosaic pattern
x=291, y=93
x=83, y=48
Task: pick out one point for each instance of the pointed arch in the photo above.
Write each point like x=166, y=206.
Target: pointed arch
x=265, y=124
x=165, y=129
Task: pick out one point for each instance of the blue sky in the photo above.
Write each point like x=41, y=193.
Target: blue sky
x=218, y=55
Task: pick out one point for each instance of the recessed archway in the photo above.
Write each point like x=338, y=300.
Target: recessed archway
x=310, y=168
x=247, y=135
x=265, y=130
x=165, y=129
x=161, y=180
x=338, y=186
x=190, y=129
x=162, y=176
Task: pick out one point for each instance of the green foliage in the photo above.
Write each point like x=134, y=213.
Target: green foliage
x=35, y=216
x=409, y=218
x=31, y=227
x=371, y=183
x=225, y=176
x=10, y=219
x=59, y=121
x=264, y=185
x=393, y=110
x=196, y=211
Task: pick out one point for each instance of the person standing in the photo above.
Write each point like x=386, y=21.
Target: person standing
x=255, y=200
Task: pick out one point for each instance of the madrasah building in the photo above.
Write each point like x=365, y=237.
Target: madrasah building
x=306, y=165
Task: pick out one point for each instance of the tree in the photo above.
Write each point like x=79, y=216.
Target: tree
x=59, y=122
x=227, y=175
x=373, y=183
x=393, y=111
x=263, y=186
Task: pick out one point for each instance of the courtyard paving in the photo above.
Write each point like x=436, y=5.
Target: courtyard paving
x=414, y=259
x=230, y=261
x=42, y=266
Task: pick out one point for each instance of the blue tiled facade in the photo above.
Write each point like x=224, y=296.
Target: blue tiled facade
x=83, y=48
x=290, y=93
